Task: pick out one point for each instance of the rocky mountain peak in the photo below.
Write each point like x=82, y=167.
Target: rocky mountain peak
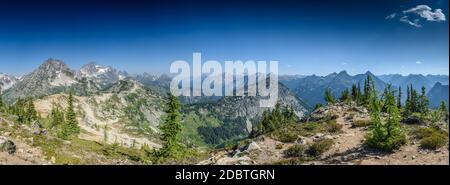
x=93, y=69
x=54, y=65
x=7, y=81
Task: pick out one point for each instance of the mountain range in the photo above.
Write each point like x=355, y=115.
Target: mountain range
x=132, y=105
x=312, y=88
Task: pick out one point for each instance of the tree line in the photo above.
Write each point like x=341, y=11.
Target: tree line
x=61, y=122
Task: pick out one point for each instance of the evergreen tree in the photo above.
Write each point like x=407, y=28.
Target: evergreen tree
x=318, y=105
x=266, y=123
x=329, y=97
x=444, y=110
x=345, y=96
x=358, y=99
x=70, y=127
x=369, y=88
x=56, y=117
x=399, y=97
x=414, y=100
x=408, y=101
x=389, y=135
x=31, y=114
x=423, y=102
x=354, y=93
x=19, y=110
x=171, y=129
x=289, y=115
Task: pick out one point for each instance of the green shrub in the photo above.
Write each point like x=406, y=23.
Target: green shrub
x=333, y=126
x=434, y=141
x=430, y=137
x=360, y=123
x=311, y=126
x=320, y=147
x=279, y=146
x=294, y=151
x=386, y=144
x=287, y=136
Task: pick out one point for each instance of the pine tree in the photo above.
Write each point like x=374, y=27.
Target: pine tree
x=289, y=115
x=399, y=97
x=329, y=97
x=354, y=92
x=423, y=102
x=389, y=135
x=444, y=110
x=171, y=129
x=277, y=117
x=70, y=127
x=369, y=88
x=56, y=117
x=31, y=114
x=317, y=106
x=345, y=96
x=266, y=123
x=358, y=100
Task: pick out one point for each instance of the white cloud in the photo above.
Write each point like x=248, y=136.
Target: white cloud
x=391, y=16
x=426, y=12
x=421, y=12
x=419, y=62
x=415, y=23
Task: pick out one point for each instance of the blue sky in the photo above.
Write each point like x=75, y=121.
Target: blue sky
x=307, y=37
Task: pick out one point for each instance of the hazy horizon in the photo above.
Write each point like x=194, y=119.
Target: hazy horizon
x=167, y=73
x=306, y=37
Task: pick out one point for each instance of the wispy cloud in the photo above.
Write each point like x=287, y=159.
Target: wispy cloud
x=423, y=12
x=419, y=62
x=391, y=16
x=415, y=23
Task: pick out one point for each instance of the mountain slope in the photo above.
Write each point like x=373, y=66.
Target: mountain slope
x=53, y=76
x=125, y=113
x=234, y=117
x=7, y=81
x=311, y=89
x=437, y=94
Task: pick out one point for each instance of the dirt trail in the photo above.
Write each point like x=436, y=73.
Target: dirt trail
x=349, y=149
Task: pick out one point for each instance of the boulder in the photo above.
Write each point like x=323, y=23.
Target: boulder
x=413, y=119
x=7, y=145
x=36, y=128
x=252, y=146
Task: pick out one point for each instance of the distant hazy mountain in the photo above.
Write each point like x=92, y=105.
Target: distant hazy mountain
x=234, y=116
x=438, y=78
x=101, y=75
x=7, y=81
x=437, y=94
x=417, y=80
x=311, y=89
x=290, y=81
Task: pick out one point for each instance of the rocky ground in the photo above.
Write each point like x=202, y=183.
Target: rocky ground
x=347, y=149
x=24, y=145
